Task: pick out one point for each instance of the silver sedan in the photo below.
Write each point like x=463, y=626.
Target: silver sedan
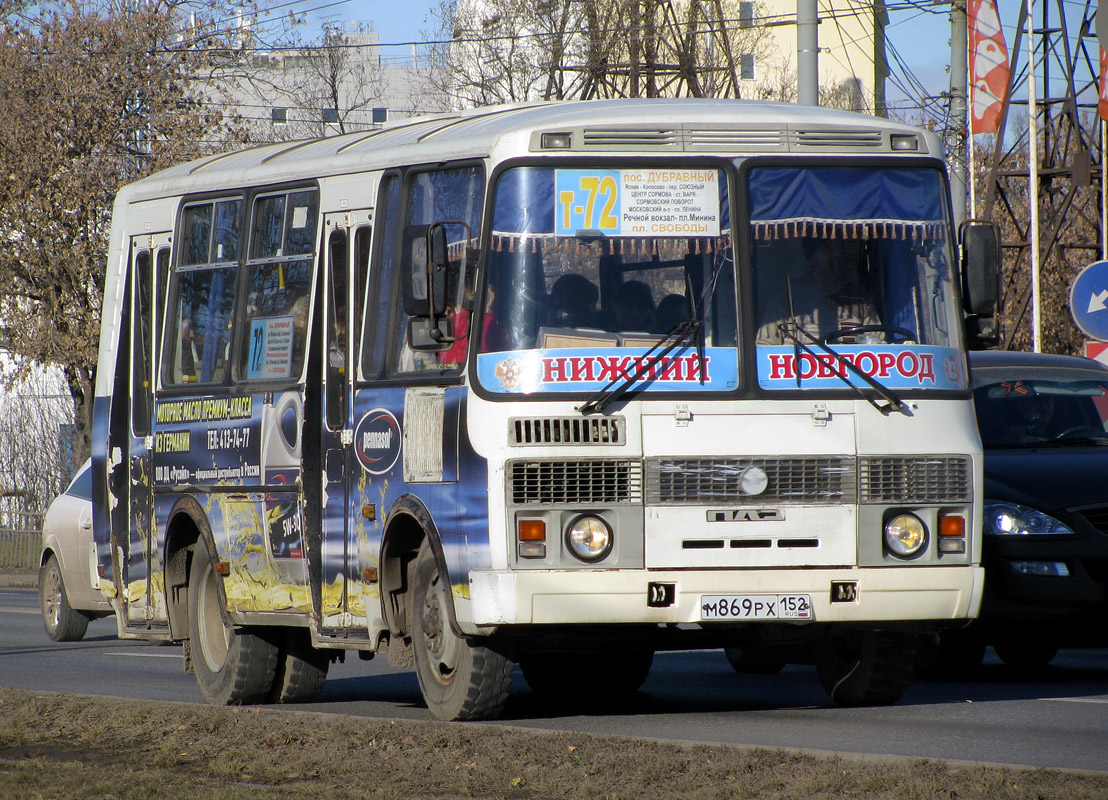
x=66, y=594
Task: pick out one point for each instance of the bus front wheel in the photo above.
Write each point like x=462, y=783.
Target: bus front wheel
x=233, y=666
x=865, y=667
x=460, y=680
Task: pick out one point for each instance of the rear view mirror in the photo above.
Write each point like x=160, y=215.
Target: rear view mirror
x=430, y=334
x=438, y=265
x=428, y=271
x=980, y=267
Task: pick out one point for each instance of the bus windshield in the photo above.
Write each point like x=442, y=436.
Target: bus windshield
x=858, y=260
x=591, y=268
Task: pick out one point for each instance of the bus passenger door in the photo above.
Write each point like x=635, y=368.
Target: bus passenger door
x=142, y=581
x=347, y=258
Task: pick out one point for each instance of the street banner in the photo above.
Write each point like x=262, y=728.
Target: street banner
x=989, y=67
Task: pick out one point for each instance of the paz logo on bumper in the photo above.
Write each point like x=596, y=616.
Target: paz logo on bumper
x=377, y=441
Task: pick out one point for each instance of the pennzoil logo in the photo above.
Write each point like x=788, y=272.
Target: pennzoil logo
x=377, y=441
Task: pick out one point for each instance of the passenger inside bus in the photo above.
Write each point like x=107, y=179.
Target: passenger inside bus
x=829, y=295
x=673, y=309
x=635, y=308
x=572, y=303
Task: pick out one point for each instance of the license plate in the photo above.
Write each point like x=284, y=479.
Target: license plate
x=755, y=606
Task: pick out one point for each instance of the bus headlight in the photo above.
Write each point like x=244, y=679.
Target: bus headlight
x=905, y=535
x=589, y=538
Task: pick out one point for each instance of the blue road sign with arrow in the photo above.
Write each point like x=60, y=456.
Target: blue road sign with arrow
x=1089, y=300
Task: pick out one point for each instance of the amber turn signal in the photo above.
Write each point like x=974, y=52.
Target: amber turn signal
x=532, y=530
x=952, y=526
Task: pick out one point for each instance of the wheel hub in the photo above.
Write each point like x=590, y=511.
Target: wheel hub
x=440, y=642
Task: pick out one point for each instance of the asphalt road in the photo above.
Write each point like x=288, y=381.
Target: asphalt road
x=1057, y=718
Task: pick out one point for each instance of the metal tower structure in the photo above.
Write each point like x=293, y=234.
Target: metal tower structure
x=1066, y=72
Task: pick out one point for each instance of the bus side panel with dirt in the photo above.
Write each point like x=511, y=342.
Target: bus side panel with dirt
x=549, y=385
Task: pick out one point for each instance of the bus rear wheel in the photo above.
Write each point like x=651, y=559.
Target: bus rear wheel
x=301, y=669
x=233, y=666
x=460, y=680
x=865, y=667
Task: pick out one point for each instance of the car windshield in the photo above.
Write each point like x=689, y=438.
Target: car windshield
x=1023, y=413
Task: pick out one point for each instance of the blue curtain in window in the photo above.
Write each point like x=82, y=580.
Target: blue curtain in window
x=845, y=194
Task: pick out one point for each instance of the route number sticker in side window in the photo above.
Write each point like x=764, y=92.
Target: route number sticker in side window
x=271, y=341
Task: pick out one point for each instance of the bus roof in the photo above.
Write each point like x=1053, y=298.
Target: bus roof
x=687, y=126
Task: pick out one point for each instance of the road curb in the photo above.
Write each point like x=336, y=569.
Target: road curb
x=18, y=580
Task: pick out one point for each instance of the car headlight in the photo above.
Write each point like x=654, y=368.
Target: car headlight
x=1012, y=519
x=905, y=535
x=589, y=538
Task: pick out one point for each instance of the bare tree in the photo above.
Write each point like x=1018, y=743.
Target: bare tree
x=37, y=440
x=326, y=87
x=94, y=96
x=495, y=51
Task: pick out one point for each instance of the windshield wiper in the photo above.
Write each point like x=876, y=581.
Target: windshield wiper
x=892, y=402
x=679, y=334
x=616, y=388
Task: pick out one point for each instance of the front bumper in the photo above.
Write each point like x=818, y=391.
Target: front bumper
x=611, y=596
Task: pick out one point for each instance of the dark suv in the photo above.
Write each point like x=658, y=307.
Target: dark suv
x=1045, y=547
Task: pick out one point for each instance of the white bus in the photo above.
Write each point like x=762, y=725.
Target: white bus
x=550, y=385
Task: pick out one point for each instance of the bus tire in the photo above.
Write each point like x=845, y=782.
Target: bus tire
x=1026, y=654
x=611, y=674
x=950, y=655
x=460, y=680
x=865, y=667
x=233, y=666
x=748, y=661
x=301, y=669
x=63, y=622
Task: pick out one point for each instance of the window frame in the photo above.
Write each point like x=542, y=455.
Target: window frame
x=730, y=169
x=383, y=342
x=175, y=269
x=170, y=290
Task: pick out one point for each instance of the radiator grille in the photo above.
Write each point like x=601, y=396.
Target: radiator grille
x=919, y=479
x=583, y=482
x=699, y=481
x=1097, y=517
x=809, y=480
x=527, y=431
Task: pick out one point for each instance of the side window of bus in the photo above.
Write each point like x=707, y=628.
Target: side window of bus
x=453, y=197
x=337, y=329
x=362, y=239
x=380, y=301
x=202, y=287
x=141, y=396
x=279, y=279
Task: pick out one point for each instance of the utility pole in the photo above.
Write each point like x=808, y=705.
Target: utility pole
x=807, y=53
x=959, y=47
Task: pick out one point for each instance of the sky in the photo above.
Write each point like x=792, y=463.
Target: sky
x=919, y=31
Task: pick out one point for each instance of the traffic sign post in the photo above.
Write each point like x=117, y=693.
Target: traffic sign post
x=1089, y=301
